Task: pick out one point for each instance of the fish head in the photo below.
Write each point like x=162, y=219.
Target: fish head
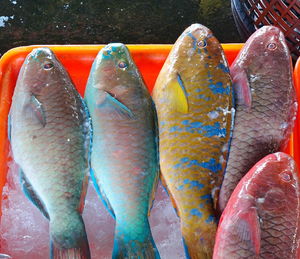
x=195, y=45
x=277, y=182
x=265, y=49
x=40, y=68
x=114, y=70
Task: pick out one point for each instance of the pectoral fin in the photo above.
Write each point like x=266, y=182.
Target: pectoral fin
x=31, y=195
x=242, y=89
x=177, y=95
x=114, y=107
x=246, y=226
x=35, y=110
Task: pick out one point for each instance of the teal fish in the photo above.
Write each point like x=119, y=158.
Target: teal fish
x=50, y=136
x=124, y=159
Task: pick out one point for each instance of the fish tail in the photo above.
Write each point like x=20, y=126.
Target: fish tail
x=134, y=243
x=68, y=238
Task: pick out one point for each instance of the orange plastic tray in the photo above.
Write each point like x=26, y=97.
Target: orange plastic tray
x=78, y=59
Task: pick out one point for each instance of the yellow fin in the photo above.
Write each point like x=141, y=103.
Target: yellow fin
x=177, y=95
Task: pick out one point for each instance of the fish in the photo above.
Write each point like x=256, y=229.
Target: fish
x=50, y=137
x=261, y=219
x=193, y=96
x=124, y=159
x=266, y=104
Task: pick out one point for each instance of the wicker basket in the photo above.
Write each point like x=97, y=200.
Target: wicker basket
x=250, y=15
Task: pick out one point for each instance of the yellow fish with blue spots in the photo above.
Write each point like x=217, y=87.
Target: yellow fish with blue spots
x=194, y=100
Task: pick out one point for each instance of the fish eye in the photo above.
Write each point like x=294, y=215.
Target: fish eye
x=48, y=66
x=202, y=44
x=286, y=176
x=122, y=65
x=272, y=46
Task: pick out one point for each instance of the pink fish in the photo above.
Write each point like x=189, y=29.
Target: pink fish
x=266, y=104
x=261, y=219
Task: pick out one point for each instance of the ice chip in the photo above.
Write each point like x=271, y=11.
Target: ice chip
x=24, y=231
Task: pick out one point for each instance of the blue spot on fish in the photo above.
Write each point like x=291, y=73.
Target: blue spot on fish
x=196, y=212
x=185, y=181
x=196, y=124
x=202, y=96
x=214, y=130
x=218, y=88
x=194, y=40
x=180, y=164
x=180, y=187
x=184, y=159
x=207, y=198
x=196, y=184
x=185, y=122
x=212, y=165
x=175, y=128
x=210, y=219
x=223, y=67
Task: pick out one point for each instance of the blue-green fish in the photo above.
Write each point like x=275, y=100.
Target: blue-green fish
x=50, y=135
x=124, y=159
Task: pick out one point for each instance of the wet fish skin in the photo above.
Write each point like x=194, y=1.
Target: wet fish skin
x=50, y=135
x=125, y=150
x=261, y=219
x=266, y=104
x=193, y=96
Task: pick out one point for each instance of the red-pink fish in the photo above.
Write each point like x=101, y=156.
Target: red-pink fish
x=266, y=104
x=261, y=219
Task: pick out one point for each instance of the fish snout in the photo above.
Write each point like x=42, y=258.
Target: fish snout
x=40, y=54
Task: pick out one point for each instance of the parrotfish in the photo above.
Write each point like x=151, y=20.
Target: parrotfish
x=266, y=104
x=261, y=219
x=124, y=161
x=194, y=100
x=50, y=135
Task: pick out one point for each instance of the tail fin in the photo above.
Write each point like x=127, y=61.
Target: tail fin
x=134, y=244
x=68, y=238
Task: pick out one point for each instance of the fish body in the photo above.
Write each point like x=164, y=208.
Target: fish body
x=265, y=104
x=194, y=100
x=50, y=135
x=124, y=159
x=261, y=219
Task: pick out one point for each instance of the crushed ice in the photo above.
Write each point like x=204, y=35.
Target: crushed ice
x=24, y=231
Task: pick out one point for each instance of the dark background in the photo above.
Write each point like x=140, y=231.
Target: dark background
x=25, y=22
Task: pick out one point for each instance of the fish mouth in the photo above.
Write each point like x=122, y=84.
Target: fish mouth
x=198, y=31
x=113, y=49
x=40, y=54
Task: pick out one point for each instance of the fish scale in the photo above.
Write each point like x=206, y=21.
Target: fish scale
x=192, y=94
x=125, y=155
x=52, y=149
x=263, y=122
x=261, y=219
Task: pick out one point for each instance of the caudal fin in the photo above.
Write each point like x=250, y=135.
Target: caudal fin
x=134, y=244
x=71, y=253
x=68, y=238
